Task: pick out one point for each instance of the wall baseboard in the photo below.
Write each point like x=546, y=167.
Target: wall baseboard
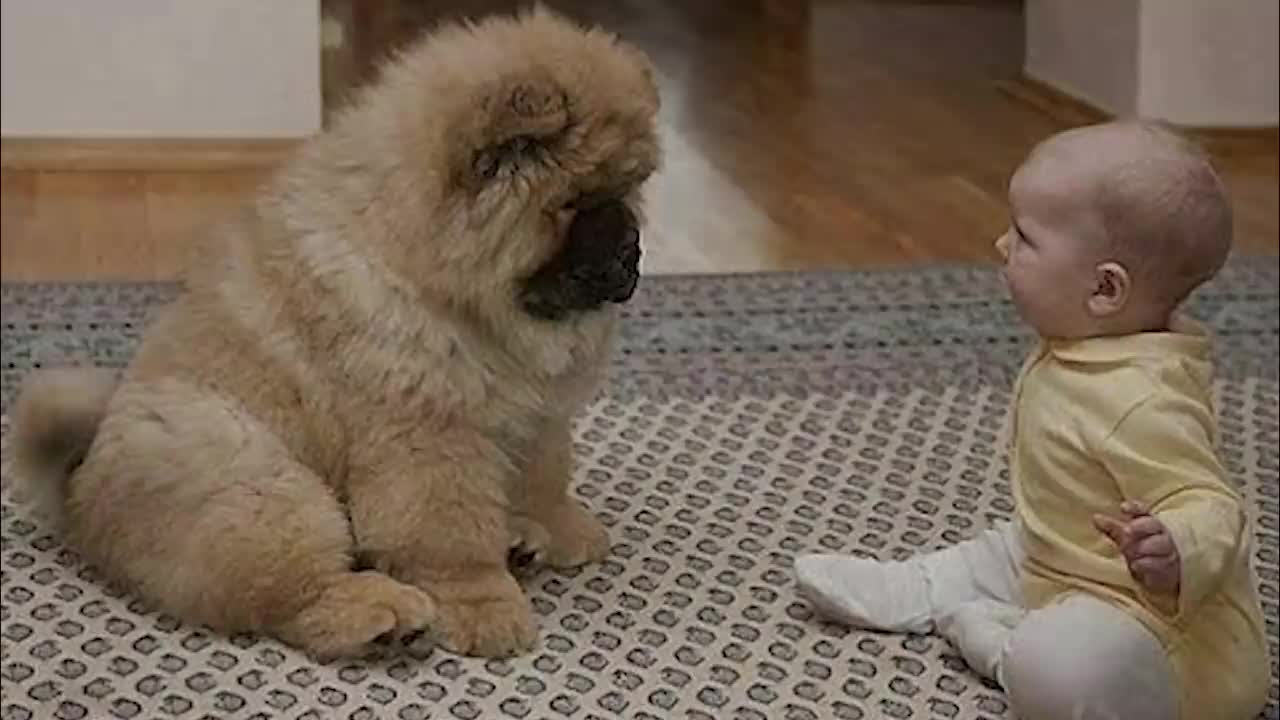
x=1071, y=110
x=144, y=155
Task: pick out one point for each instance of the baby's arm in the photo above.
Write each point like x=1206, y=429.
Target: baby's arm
x=1162, y=457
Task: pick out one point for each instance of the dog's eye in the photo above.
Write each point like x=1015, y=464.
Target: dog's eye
x=486, y=164
x=489, y=161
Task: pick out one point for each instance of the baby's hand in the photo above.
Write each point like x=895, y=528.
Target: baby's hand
x=1147, y=546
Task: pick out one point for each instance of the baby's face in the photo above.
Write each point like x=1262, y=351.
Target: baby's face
x=1051, y=250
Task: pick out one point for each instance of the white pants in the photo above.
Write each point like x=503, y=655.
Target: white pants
x=1077, y=659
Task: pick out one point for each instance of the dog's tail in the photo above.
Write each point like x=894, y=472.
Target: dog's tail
x=54, y=422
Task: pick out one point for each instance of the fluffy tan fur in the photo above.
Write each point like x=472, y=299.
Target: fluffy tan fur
x=348, y=375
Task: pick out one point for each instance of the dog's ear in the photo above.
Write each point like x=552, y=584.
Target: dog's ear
x=518, y=118
x=535, y=106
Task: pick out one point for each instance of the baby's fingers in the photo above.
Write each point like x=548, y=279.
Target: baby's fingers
x=1110, y=527
x=1133, y=508
x=1160, y=574
x=1143, y=527
x=1138, y=531
x=1153, y=546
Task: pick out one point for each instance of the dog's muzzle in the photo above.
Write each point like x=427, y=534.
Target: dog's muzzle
x=599, y=263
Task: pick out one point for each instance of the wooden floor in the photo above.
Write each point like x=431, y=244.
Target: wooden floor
x=798, y=135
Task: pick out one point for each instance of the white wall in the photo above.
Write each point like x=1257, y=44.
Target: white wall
x=160, y=68
x=1190, y=62
x=1086, y=48
x=1211, y=63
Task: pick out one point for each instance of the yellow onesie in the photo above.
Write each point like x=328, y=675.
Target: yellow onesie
x=1105, y=420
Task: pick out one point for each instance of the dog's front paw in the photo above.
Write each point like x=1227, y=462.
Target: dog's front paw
x=577, y=537
x=485, y=619
x=527, y=547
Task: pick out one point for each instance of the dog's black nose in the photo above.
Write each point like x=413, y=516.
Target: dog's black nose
x=625, y=288
x=604, y=224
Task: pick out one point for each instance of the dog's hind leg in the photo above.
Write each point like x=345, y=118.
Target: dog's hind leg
x=193, y=503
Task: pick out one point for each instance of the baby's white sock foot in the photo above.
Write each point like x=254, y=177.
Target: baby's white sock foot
x=888, y=596
x=980, y=631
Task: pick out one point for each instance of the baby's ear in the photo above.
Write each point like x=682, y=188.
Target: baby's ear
x=1112, y=286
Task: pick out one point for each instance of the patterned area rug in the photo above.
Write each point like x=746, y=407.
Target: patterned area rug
x=747, y=419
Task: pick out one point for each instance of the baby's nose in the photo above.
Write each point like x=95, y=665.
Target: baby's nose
x=1002, y=246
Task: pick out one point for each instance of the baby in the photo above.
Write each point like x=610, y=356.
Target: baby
x=1123, y=588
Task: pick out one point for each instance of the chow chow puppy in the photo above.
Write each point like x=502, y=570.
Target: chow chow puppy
x=365, y=392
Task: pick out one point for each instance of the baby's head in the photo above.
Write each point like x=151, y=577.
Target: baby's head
x=1114, y=225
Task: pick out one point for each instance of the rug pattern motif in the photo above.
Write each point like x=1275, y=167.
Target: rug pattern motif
x=747, y=419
